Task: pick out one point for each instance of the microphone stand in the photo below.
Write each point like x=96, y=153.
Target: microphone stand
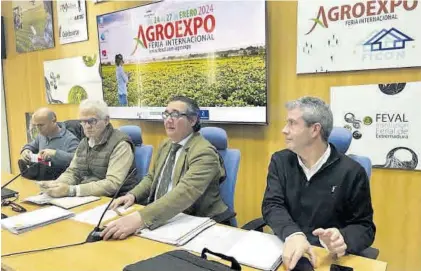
x=95, y=235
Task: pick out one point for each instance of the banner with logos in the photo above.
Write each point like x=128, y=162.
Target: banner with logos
x=345, y=35
x=385, y=122
x=212, y=51
x=72, y=21
x=33, y=25
x=71, y=80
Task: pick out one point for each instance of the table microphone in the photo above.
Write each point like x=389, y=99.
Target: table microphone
x=95, y=235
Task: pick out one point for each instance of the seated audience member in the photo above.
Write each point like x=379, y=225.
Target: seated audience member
x=185, y=176
x=316, y=195
x=54, y=143
x=101, y=162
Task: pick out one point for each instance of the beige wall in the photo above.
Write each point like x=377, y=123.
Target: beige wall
x=396, y=194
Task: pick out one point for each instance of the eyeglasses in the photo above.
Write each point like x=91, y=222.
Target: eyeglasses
x=91, y=121
x=173, y=115
x=15, y=207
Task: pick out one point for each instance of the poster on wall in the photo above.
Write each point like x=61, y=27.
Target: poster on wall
x=33, y=25
x=351, y=35
x=71, y=80
x=384, y=120
x=31, y=132
x=72, y=25
x=201, y=49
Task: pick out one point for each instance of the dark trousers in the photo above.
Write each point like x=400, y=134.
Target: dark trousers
x=38, y=171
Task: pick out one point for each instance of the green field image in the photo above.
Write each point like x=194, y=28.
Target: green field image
x=220, y=82
x=36, y=16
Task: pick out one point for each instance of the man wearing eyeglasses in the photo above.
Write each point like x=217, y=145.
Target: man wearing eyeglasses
x=53, y=143
x=184, y=177
x=101, y=162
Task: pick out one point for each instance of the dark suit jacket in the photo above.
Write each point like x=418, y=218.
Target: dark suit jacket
x=196, y=179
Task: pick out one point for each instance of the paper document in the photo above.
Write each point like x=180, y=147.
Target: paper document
x=258, y=250
x=66, y=202
x=92, y=216
x=217, y=238
x=179, y=229
x=255, y=249
x=30, y=220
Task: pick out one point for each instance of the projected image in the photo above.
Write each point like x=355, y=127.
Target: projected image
x=199, y=49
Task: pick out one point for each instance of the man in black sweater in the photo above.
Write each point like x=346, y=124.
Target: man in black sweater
x=316, y=195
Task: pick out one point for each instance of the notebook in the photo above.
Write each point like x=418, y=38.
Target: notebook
x=255, y=249
x=27, y=221
x=66, y=202
x=178, y=230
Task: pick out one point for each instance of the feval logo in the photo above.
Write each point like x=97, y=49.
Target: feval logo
x=384, y=40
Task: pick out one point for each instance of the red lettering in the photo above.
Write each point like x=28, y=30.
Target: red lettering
x=333, y=14
x=370, y=8
x=209, y=19
x=178, y=29
x=382, y=8
x=414, y=5
x=394, y=4
x=197, y=22
x=345, y=9
x=159, y=32
x=187, y=24
x=358, y=13
x=167, y=28
x=149, y=33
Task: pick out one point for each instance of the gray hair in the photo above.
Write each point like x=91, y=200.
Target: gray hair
x=99, y=106
x=314, y=111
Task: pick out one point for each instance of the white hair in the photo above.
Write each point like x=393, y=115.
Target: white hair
x=99, y=106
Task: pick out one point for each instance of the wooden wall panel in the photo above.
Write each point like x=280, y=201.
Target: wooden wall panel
x=396, y=194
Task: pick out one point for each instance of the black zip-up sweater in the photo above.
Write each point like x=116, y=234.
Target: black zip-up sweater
x=337, y=196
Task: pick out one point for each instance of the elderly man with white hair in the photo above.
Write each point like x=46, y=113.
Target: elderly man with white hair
x=102, y=161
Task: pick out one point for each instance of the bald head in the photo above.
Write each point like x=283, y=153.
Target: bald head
x=45, y=112
x=44, y=119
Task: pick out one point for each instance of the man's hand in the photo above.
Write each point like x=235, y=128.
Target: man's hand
x=294, y=248
x=55, y=189
x=127, y=200
x=123, y=227
x=333, y=239
x=47, y=154
x=26, y=155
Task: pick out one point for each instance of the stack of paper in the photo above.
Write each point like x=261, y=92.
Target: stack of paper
x=38, y=218
x=255, y=249
x=66, y=202
x=92, y=216
x=178, y=230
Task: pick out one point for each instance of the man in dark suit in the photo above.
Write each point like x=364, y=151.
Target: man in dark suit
x=184, y=177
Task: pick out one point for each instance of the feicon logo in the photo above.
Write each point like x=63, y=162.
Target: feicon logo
x=170, y=30
x=358, y=10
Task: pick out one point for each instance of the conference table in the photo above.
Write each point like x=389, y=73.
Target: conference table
x=102, y=255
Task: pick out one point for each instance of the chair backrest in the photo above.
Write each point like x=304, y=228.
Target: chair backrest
x=341, y=138
x=218, y=138
x=75, y=128
x=142, y=153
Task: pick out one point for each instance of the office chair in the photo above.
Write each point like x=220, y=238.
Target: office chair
x=218, y=138
x=341, y=138
x=142, y=153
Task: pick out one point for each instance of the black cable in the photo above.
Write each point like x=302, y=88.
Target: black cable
x=42, y=249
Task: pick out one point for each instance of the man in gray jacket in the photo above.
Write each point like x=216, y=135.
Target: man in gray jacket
x=53, y=143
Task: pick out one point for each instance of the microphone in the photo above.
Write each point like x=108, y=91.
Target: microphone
x=94, y=236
